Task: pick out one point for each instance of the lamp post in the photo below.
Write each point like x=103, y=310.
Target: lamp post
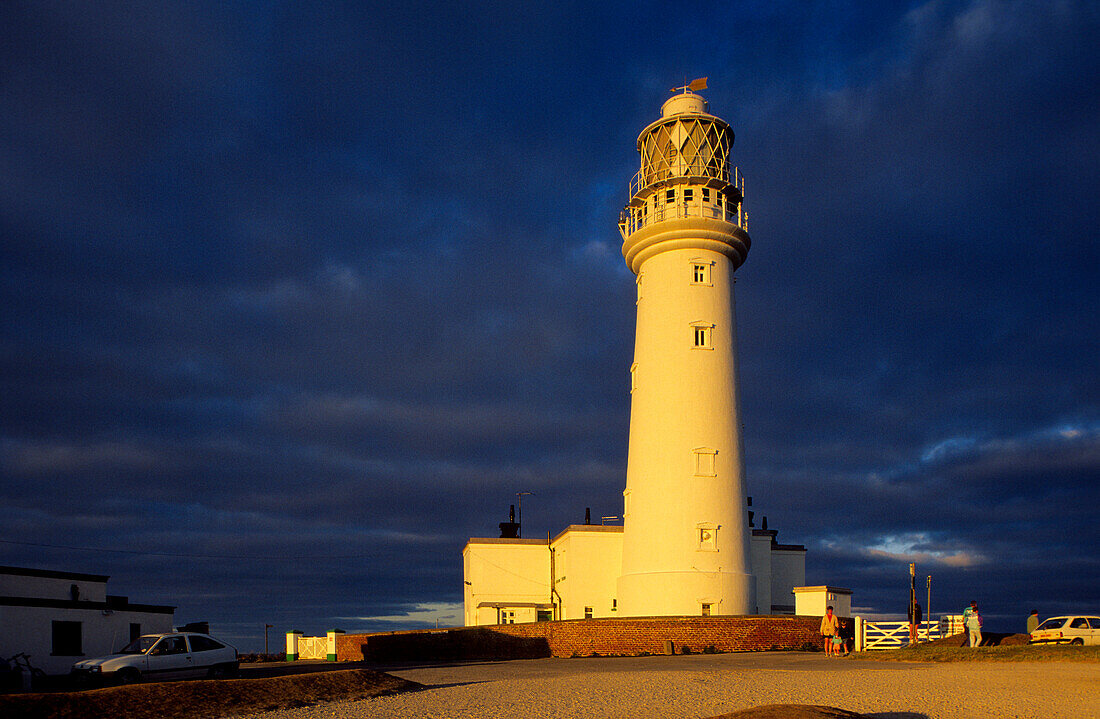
x=520, y=495
x=912, y=597
x=266, y=627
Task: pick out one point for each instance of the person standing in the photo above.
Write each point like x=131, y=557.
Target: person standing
x=966, y=619
x=974, y=624
x=1033, y=621
x=916, y=616
x=830, y=625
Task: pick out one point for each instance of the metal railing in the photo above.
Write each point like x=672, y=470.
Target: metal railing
x=694, y=168
x=632, y=219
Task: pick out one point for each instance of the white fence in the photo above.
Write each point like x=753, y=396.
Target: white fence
x=894, y=635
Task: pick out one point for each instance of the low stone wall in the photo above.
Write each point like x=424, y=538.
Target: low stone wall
x=585, y=637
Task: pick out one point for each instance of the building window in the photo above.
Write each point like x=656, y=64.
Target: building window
x=701, y=272
x=135, y=631
x=633, y=377
x=706, y=609
x=704, y=461
x=670, y=196
x=702, y=333
x=708, y=538
x=67, y=639
x=544, y=615
x=614, y=604
x=588, y=612
x=706, y=194
x=689, y=195
x=508, y=617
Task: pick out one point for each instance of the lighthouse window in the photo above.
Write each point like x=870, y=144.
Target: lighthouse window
x=706, y=194
x=703, y=336
x=708, y=539
x=704, y=462
x=689, y=195
x=706, y=609
x=670, y=196
x=700, y=273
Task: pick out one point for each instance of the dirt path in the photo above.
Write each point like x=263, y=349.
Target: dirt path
x=703, y=686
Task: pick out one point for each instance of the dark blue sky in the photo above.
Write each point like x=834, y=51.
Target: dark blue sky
x=296, y=298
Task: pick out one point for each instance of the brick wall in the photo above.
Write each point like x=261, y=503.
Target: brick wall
x=584, y=637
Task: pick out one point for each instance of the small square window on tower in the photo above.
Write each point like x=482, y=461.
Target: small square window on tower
x=708, y=537
x=670, y=196
x=702, y=334
x=706, y=609
x=706, y=194
x=700, y=272
x=588, y=612
x=704, y=461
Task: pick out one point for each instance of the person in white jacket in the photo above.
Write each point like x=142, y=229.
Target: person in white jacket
x=974, y=624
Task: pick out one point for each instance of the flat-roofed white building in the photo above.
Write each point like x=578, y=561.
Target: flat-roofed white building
x=58, y=618
x=508, y=580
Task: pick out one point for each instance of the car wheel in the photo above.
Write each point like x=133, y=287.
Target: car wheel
x=1077, y=642
x=128, y=676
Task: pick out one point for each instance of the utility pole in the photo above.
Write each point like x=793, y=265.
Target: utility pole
x=928, y=609
x=266, y=627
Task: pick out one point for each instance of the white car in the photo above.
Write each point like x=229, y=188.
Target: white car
x=172, y=655
x=1067, y=630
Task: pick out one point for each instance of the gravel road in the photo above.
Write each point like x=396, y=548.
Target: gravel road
x=706, y=685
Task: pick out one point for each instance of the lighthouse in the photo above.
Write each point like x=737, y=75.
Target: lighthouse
x=685, y=546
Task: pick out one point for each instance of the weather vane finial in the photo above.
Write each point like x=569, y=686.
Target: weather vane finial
x=699, y=83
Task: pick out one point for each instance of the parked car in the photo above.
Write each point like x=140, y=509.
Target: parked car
x=171, y=655
x=1067, y=630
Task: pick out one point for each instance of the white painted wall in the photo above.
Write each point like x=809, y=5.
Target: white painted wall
x=30, y=630
x=788, y=570
x=587, y=559
x=812, y=601
x=504, y=570
x=760, y=549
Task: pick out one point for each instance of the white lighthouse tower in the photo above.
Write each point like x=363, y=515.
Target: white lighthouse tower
x=686, y=541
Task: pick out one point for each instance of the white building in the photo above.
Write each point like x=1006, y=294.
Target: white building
x=508, y=581
x=687, y=546
x=58, y=618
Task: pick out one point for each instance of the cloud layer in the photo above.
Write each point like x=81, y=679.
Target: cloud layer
x=296, y=299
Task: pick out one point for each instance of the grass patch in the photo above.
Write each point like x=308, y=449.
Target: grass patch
x=205, y=698
x=1025, y=653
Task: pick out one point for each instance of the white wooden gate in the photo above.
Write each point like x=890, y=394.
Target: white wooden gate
x=894, y=635
x=312, y=647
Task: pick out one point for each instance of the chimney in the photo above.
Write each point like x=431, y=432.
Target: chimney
x=509, y=529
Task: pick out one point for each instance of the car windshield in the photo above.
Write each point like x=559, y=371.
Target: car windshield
x=1055, y=623
x=139, y=645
